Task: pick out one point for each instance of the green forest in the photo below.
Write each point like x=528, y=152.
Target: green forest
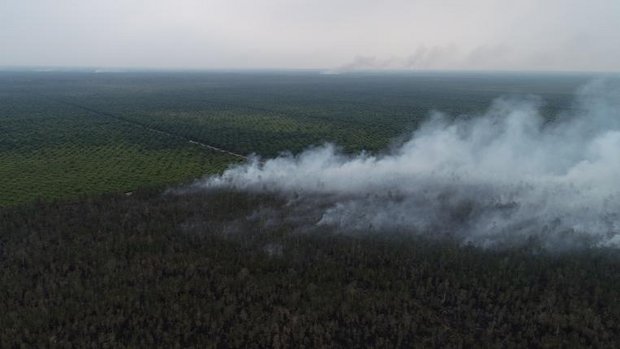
x=98, y=249
x=70, y=134
x=162, y=270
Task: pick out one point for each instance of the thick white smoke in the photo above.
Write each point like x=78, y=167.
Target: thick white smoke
x=508, y=176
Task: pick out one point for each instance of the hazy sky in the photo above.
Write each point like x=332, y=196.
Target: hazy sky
x=327, y=34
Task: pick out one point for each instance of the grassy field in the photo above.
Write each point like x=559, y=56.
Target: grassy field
x=66, y=134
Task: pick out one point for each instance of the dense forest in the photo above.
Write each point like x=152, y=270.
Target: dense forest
x=96, y=250
x=148, y=269
x=66, y=134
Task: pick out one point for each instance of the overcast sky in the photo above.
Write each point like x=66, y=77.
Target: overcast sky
x=325, y=34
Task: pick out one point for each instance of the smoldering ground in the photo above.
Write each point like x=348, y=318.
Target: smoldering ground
x=506, y=177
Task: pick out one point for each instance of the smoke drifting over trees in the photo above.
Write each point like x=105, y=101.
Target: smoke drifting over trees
x=508, y=176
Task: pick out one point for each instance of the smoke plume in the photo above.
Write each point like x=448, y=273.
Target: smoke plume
x=434, y=57
x=508, y=176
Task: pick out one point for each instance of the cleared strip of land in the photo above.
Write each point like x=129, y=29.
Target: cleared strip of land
x=152, y=129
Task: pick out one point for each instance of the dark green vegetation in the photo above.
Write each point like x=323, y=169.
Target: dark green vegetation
x=153, y=270
x=53, y=150
x=66, y=134
x=146, y=269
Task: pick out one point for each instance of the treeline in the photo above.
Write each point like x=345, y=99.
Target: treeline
x=155, y=270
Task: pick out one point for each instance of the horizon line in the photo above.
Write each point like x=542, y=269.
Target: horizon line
x=324, y=71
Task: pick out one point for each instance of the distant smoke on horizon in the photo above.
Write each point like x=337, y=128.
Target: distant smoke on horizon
x=433, y=57
x=506, y=177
